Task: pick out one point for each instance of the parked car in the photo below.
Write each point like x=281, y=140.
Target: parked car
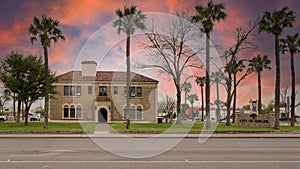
x=3, y=118
x=285, y=119
x=34, y=117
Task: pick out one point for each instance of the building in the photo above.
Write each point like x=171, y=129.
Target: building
x=100, y=96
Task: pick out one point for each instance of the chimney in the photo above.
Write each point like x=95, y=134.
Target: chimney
x=89, y=68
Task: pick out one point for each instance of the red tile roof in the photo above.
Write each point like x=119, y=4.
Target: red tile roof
x=104, y=76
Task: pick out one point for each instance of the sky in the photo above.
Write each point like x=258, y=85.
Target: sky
x=80, y=20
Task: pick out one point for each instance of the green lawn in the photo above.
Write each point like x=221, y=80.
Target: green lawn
x=68, y=126
x=53, y=126
x=195, y=127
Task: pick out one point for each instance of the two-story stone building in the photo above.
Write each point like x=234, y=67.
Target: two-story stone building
x=100, y=96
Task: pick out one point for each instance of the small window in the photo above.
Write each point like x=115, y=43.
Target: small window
x=125, y=113
x=78, y=112
x=139, y=113
x=66, y=90
x=132, y=91
x=66, y=111
x=90, y=90
x=139, y=92
x=102, y=91
x=125, y=91
x=115, y=89
x=72, y=112
x=72, y=90
x=132, y=113
x=78, y=90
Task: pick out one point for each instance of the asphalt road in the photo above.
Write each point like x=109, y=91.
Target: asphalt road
x=83, y=153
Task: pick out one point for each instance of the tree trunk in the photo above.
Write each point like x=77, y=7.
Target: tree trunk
x=128, y=76
x=277, y=83
x=178, y=103
x=14, y=105
x=259, y=93
x=18, y=111
x=207, y=81
x=228, y=103
x=46, y=88
x=26, y=114
x=234, y=98
x=293, y=96
x=218, y=114
x=202, y=98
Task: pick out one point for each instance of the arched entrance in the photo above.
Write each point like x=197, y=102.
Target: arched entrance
x=102, y=115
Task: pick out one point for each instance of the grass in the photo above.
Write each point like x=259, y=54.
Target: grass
x=68, y=126
x=52, y=126
x=195, y=127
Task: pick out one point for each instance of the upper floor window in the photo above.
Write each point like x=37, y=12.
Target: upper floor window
x=139, y=91
x=78, y=90
x=115, y=89
x=66, y=90
x=90, y=90
x=132, y=91
x=102, y=91
x=72, y=90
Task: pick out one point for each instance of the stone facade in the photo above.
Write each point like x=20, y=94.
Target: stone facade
x=102, y=97
x=255, y=120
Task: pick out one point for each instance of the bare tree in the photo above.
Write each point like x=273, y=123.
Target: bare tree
x=171, y=52
x=168, y=104
x=235, y=65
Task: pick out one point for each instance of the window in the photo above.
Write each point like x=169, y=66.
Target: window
x=72, y=112
x=66, y=111
x=125, y=113
x=132, y=112
x=66, y=90
x=132, y=91
x=125, y=91
x=72, y=90
x=102, y=91
x=90, y=90
x=139, y=113
x=139, y=92
x=115, y=89
x=78, y=90
x=78, y=112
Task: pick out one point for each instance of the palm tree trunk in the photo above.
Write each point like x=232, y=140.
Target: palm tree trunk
x=218, y=114
x=259, y=92
x=128, y=76
x=202, y=98
x=46, y=88
x=234, y=98
x=293, y=96
x=207, y=81
x=277, y=83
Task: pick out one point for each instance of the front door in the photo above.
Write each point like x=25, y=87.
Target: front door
x=102, y=115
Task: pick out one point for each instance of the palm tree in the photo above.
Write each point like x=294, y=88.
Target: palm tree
x=201, y=82
x=217, y=78
x=186, y=86
x=291, y=44
x=192, y=98
x=273, y=23
x=46, y=30
x=207, y=16
x=258, y=64
x=128, y=21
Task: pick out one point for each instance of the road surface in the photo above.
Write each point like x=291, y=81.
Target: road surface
x=78, y=153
